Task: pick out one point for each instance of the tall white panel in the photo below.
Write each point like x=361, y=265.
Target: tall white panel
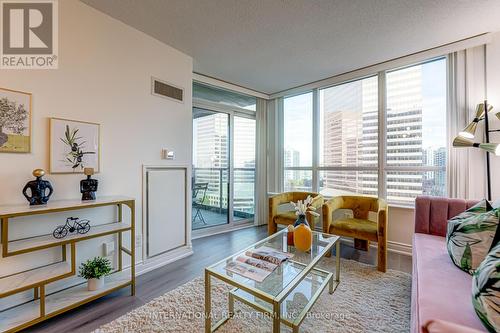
x=166, y=210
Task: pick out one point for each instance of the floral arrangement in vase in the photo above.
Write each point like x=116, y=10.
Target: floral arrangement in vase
x=302, y=207
x=302, y=234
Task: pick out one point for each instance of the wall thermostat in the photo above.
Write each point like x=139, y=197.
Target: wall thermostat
x=167, y=155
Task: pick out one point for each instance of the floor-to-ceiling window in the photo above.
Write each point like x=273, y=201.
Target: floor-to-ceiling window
x=416, y=131
x=380, y=135
x=298, y=123
x=348, y=138
x=224, y=137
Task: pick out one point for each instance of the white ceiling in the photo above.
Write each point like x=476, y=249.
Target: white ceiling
x=273, y=45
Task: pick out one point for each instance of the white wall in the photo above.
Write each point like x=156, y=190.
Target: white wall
x=104, y=74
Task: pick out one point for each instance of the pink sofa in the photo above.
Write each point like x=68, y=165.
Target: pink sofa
x=440, y=290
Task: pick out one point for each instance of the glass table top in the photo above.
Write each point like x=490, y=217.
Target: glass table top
x=285, y=273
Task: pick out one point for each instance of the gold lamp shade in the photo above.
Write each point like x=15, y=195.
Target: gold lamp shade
x=470, y=130
x=461, y=142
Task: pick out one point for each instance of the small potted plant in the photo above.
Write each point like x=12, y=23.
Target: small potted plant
x=94, y=271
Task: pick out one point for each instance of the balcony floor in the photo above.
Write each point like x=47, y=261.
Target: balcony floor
x=212, y=218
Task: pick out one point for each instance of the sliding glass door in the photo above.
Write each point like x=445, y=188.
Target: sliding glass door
x=223, y=184
x=244, y=169
x=210, y=168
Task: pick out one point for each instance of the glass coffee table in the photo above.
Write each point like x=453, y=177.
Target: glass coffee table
x=288, y=293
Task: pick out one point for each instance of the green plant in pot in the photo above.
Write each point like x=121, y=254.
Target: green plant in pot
x=94, y=271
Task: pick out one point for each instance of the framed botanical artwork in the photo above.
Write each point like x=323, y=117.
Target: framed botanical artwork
x=74, y=145
x=15, y=121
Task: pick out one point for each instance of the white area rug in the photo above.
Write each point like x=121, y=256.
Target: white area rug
x=365, y=301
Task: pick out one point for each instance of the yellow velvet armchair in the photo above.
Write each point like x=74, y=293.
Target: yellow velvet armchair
x=359, y=227
x=289, y=217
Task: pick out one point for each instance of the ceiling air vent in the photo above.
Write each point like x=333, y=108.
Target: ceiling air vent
x=166, y=90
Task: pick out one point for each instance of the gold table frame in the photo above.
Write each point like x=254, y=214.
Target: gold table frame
x=274, y=301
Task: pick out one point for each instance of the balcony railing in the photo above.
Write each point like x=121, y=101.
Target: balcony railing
x=215, y=197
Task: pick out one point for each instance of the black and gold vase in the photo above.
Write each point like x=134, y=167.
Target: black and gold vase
x=38, y=188
x=88, y=186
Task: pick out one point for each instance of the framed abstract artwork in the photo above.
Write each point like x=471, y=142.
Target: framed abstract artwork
x=74, y=145
x=15, y=121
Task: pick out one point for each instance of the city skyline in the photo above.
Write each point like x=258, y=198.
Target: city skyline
x=416, y=100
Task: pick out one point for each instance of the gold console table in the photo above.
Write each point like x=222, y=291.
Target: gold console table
x=44, y=306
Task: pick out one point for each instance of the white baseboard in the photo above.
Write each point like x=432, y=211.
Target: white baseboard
x=162, y=260
x=212, y=231
x=394, y=247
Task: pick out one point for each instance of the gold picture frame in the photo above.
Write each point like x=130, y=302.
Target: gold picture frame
x=73, y=146
x=16, y=122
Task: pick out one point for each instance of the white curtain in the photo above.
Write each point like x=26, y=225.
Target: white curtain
x=261, y=163
x=466, y=166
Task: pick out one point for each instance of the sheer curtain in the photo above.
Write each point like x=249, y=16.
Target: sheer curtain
x=261, y=165
x=466, y=84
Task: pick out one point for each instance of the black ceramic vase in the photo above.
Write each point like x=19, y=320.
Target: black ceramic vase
x=37, y=194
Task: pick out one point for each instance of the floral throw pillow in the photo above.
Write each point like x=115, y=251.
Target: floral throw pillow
x=471, y=235
x=486, y=290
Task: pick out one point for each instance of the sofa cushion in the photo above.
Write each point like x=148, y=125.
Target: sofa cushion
x=470, y=235
x=486, y=290
x=440, y=291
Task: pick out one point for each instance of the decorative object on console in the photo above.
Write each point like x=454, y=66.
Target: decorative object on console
x=72, y=224
x=74, y=146
x=88, y=186
x=470, y=235
x=94, y=271
x=15, y=121
x=463, y=140
x=485, y=286
x=38, y=189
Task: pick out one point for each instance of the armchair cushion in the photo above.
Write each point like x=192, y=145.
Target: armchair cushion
x=285, y=218
x=356, y=228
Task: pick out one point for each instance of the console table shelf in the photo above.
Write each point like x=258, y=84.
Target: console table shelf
x=43, y=242
x=26, y=280
x=44, y=306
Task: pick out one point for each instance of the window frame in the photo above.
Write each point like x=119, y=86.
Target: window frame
x=382, y=168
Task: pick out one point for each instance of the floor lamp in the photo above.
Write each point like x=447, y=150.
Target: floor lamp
x=465, y=137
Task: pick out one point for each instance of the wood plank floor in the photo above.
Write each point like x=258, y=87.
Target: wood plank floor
x=155, y=283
